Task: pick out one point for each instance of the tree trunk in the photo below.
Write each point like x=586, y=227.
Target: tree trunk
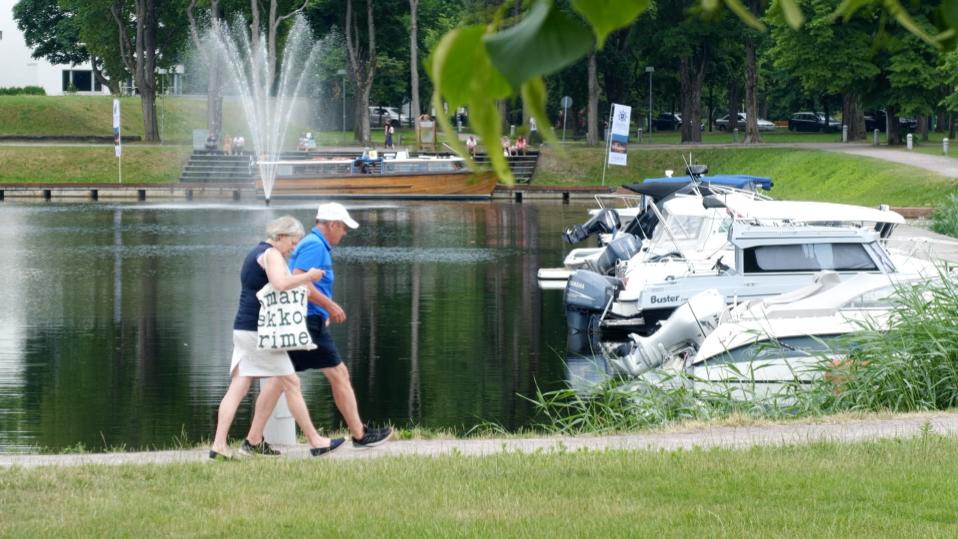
x=691, y=80
x=951, y=125
x=592, y=137
x=140, y=59
x=734, y=96
x=853, y=116
x=112, y=84
x=891, y=126
x=923, y=127
x=752, y=135
x=940, y=120
x=362, y=69
x=414, y=108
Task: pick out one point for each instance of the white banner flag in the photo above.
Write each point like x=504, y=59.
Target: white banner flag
x=619, y=134
x=116, y=127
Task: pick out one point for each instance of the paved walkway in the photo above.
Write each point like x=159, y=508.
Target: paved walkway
x=846, y=430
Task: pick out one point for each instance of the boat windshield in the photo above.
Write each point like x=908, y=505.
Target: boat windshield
x=807, y=257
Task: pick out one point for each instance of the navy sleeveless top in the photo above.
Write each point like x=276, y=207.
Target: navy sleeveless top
x=252, y=278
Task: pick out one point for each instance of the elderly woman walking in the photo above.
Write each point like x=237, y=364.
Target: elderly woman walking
x=266, y=263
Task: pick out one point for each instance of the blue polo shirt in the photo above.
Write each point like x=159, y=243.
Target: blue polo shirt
x=315, y=252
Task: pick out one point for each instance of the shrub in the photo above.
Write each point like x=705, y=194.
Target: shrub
x=24, y=90
x=945, y=219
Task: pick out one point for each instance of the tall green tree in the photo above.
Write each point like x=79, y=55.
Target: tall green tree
x=63, y=33
x=829, y=57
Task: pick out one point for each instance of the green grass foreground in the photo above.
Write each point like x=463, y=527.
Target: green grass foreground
x=80, y=164
x=798, y=174
x=893, y=488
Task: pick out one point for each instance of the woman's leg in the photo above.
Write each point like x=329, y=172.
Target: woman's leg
x=297, y=406
x=270, y=390
x=239, y=386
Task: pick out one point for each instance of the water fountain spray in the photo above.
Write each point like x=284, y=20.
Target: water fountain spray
x=268, y=101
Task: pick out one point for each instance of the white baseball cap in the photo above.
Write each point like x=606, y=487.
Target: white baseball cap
x=334, y=211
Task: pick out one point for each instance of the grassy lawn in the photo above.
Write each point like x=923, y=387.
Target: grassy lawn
x=891, y=488
x=65, y=164
x=798, y=174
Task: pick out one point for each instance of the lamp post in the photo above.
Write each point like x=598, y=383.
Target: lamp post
x=342, y=73
x=650, y=70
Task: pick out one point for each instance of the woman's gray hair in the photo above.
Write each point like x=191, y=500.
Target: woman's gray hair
x=286, y=225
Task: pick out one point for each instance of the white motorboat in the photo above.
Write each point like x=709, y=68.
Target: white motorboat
x=768, y=251
x=627, y=224
x=760, y=348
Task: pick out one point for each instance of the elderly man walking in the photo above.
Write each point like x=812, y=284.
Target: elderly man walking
x=315, y=251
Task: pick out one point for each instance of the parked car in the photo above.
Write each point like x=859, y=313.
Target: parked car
x=763, y=125
x=877, y=120
x=812, y=121
x=379, y=116
x=667, y=122
x=670, y=121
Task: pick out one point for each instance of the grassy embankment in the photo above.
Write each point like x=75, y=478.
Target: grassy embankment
x=92, y=115
x=797, y=173
x=884, y=488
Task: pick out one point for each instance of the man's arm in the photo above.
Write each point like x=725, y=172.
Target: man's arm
x=336, y=313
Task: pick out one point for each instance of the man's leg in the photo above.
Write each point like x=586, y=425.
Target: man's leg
x=345, y=398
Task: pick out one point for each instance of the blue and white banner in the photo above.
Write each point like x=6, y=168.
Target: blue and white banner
x=619, y=134
x=116, y=128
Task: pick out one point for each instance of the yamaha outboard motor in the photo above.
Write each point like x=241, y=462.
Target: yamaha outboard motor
x=621, y=248
x=587, y=295
x=605, y=222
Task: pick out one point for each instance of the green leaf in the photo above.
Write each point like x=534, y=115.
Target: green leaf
x=745, y=14
x=545, y=41
x=484, y=117
x=461, y=69
x=793, y=13
x=534, y=96
x=463, y=74
x=606, y=16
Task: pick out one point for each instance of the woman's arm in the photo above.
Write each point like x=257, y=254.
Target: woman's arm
x=280, y=278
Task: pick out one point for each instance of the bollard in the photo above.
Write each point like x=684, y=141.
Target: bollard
x=735, y=135
x=844, y=133
x=638, y=136
x=876, y=138
x=944, y=145
x=280, y=427
x=512, y=130
x=908, y=141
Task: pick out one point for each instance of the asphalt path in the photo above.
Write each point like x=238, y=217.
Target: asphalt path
x=705, y=437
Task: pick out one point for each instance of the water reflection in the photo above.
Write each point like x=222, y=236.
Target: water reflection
x=117, y=318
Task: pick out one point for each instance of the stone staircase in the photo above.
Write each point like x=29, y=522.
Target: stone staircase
x=206, y=166
x=216, y=167
x=522, y=166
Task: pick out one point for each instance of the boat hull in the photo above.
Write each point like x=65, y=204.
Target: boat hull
x=432, y=185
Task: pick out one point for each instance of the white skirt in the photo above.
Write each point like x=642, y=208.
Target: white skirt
x=257, y=363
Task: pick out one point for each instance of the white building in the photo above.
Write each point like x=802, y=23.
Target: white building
x=18, y=68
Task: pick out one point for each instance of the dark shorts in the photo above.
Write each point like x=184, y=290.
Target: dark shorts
x=324, y=356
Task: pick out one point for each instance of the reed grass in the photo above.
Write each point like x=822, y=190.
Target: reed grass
x=945, y=218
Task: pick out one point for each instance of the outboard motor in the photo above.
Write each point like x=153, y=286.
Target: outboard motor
x=587, y=295
x=621, y=248
x=687, y=327
x=605, y=222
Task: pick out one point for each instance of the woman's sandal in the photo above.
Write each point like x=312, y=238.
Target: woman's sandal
x=334, y=444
